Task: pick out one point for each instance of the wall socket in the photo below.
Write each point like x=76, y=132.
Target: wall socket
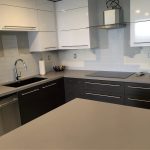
x=75, y=56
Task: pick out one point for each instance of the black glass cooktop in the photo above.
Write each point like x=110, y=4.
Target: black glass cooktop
x=111, y=74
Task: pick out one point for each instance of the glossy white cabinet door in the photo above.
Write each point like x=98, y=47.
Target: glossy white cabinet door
x=42, y=41
x=74, y=39
x=70, y=4
x=73, y=19
x=19, y=3
x=46, y=21
x=17, y=18
x=45, y=5
x=139, y=10
x=140, y=34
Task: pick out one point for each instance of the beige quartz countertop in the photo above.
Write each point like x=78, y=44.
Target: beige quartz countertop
x=84, y=125
x=73, y=74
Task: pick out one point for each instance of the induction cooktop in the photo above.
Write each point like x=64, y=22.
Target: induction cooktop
x=111, y=74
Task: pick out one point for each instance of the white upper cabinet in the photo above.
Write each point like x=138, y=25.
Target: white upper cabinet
x=140, y=23
x=74, y=39
x=71, y=4
x=19, y=3
x=17, y=18
x=45, y=5
x=73, y=19
x=46, y=21
x=139, y=10
x=42, y=41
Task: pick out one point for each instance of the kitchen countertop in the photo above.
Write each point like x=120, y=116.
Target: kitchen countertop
x=73, y=74
x=81, y=125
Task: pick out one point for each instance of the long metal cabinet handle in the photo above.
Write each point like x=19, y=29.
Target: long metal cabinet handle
x=19, y=27
x=44, y=87
x=133, y=87
x=8, y=103
x=49, y=47
x=139, y=100
x=102, y=84
x=103, y=95
x=74, y=46
x=30, y=92
x=141, y=42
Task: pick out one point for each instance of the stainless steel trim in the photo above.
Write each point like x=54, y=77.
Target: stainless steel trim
x=74, y=46
x=49, y=47
x=141, y=42
x=103, y=84
x=36, y=90
x=10, y=102
x=19, y=27
x=44, y=87
x=102, y=95
x=139, y=100
x=133, y=87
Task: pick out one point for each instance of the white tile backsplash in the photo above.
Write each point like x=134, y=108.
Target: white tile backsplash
x=14, y=50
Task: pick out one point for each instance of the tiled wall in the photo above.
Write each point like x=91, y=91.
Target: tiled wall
x=14, y=45
x=114, y=52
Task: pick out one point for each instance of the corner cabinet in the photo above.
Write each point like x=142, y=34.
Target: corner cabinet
x=140, y=22
x=17, y=18
x=75, y=21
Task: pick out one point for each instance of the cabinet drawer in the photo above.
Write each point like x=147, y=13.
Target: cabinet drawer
x=68, y=4
x=104, y=98
x=138, y=91
x=137, y=95
x=67, y=20
x=104, y=87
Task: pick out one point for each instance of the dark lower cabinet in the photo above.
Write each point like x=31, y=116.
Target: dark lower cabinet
x=137, y=95
x=30, y=102
x=39, y=100
x=74, y=88
x=53, y=94
x=105, y=91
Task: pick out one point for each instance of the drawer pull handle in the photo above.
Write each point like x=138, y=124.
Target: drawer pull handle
x=8, y=103
x=49, y=47
x=103, y=95
x=27, y=93
x=133, y=87
x=75, y=46
x=139, y=100
x=19, y=27
x=44, y=87
x=103, y=84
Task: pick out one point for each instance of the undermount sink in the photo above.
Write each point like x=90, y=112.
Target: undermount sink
x=25, y=82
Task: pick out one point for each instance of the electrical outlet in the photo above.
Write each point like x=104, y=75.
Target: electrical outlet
x=75, y=56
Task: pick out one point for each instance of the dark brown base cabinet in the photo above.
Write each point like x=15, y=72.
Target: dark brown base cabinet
x=106, y=91
x=130, y=94
x=41, y=99
x=137, y=95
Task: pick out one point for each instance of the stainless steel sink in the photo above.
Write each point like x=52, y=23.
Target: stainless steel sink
x=25, y=82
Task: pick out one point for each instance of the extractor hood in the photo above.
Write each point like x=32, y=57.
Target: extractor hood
x=113, y=16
